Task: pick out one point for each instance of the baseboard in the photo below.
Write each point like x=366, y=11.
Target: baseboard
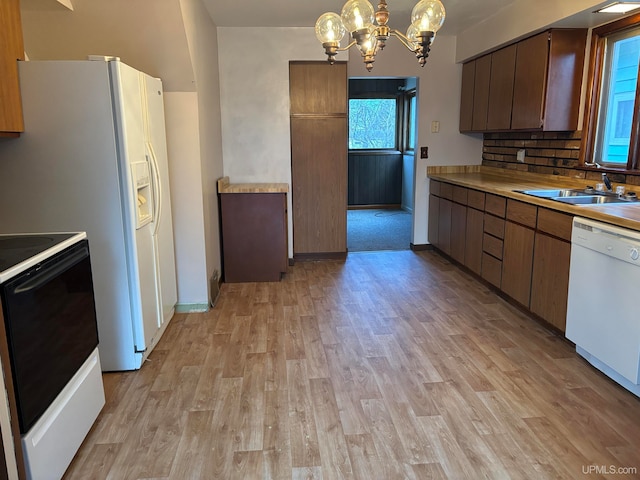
x=310, y=257
x=192, y=307
x=420, y=247
x=291, y=262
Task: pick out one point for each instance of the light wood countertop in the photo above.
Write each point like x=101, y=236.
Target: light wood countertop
x=503, y=182
x=225, y=187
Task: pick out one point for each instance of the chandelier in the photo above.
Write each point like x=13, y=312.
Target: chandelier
x=357, y=18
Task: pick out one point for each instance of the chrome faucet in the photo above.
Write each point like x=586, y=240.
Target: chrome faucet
x=607, y=182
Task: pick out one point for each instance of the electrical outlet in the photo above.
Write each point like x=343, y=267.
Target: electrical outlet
x=520, y=155
x=424, y=152
x=435, y=126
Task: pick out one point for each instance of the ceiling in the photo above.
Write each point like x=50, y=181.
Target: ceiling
x=461, y=14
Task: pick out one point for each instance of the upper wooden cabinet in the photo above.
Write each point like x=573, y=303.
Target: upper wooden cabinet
x=11, y=50
x=317, y=89
x=533, y=85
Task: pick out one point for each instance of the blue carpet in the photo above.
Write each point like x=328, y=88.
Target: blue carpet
x=371, y=230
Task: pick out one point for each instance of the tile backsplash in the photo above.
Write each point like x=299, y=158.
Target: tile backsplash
x=551, y=153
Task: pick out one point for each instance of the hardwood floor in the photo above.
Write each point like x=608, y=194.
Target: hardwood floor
x=391, y=365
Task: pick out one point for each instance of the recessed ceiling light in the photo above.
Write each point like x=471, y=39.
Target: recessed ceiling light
x=619, y=7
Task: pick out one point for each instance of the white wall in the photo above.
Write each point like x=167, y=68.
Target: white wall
x=254, y=91
x=183, y=143
x=202, y=39
x=439, y=85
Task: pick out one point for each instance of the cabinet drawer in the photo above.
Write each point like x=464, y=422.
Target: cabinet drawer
x=475, y=199
x=522, y=213
x=446, y=191
x=555, y=223
x=492, y=246
x=460, y=195
x=494, y=225
x=495, y=205
x=491, y=269
x=434, y=187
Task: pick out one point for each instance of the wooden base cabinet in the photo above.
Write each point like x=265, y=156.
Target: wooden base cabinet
x=254, y=236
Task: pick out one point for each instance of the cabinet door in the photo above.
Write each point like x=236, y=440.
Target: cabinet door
x=473, y=240
x=550, y=279
x=11, y=50
x=517, y=262
x=434, y=216
x=458, y=231
x=503, y=63
x=481, y=93
x=530, y=82
x=466, y=96
x=444, y=226
x=317, y=88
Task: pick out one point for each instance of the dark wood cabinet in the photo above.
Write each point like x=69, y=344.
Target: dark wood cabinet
x=517, y=262
x=501, y=88
x=548, y=78
x=473, y=240
x=458, y=232
x=11, y=50
x=434, y=219
x=533, y=84
x=254, y=236
x=319, y=138
x=444, y=225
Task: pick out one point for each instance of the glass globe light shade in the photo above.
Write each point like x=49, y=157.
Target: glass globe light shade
x=329, y=28
x=357, y=14
x=368, y=45
x=412, y=34
x=428, y=15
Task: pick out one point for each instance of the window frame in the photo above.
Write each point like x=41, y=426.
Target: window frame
x=398, y=127
x=407, y=125
x=593, y=99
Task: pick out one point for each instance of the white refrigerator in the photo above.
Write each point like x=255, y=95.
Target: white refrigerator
x=93, y=158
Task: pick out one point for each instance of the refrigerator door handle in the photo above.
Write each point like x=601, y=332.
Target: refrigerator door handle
x=157, y=188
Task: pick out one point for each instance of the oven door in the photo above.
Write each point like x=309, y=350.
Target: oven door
x=51, y=327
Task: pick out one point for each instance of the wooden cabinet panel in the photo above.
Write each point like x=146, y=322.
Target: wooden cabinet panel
x=495, y=205
x=11, y=50
x=434, y=187
x=460, y=195
x=458, y=231
x=318, y=88
x=523, y=213
x=494, y=225
x=466, y=96
x=491, y=270
x=444, y=226
x=475, y=199
x=254, y=236
x=446, y=191
x=481, y=93
x=530, y=75
x=319, y=184
x=492, y=245
x=473, y=240
x=517, y=262
x=503, y=64
x=434, y=216
x=550, y=279
x=555, y=223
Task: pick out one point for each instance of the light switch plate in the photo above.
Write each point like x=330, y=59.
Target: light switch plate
x=424, y=152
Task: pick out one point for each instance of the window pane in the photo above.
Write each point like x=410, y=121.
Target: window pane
x=412, y=123
x=372, y=123
x=618, y=98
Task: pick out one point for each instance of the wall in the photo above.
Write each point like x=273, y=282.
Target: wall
x=203, y=49
x=254, y=101
x=439, y=85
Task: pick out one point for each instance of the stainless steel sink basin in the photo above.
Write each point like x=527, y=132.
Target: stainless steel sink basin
x=590, y=199
x=557, y=193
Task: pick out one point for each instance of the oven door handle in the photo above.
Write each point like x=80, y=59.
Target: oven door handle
x=50, y=273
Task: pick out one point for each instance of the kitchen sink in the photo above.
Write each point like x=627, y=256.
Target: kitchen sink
x=575, y=196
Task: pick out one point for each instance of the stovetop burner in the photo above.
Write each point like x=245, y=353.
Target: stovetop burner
x=18, y=248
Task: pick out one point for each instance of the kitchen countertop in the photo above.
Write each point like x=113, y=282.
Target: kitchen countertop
x=225, y=187
x=503, y=182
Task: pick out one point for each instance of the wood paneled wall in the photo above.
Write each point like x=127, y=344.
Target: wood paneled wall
x=375, y=179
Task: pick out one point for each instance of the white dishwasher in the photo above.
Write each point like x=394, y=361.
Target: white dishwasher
x=603, y=308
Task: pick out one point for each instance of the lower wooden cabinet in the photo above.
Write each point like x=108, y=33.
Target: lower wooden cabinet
x=254, y=236
x=550, y=279
x=434, y=217
x=444, y=225
x=517, y=262
x=473, y=240
x=458, y=232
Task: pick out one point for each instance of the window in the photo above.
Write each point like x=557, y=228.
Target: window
x=373, y=124
x=410, y=123
x=609, y=139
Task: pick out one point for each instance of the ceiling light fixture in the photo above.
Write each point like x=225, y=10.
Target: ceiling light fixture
x=357, y=18
x=619, y=7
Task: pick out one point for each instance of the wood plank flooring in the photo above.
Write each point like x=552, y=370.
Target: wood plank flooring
x=391, y=365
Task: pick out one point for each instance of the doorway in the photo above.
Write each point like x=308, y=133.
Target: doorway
x=381, y=159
